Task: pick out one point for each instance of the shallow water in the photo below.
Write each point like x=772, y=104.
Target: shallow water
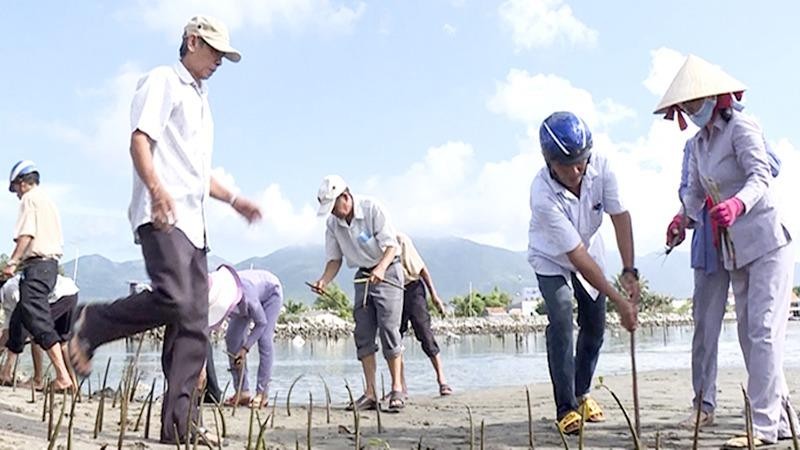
x=471, y=362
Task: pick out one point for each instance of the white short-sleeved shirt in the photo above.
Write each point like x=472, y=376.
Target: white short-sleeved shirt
x=362, y=242
x=172, y=109
x=560, y=220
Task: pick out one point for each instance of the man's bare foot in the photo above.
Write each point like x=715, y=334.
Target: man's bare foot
x=261, y=400
x=59, y=386
x=37, y=384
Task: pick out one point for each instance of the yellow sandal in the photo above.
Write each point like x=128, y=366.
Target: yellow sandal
x=570, y=423
x=595, y=412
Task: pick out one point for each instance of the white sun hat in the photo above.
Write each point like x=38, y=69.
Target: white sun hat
x=224, y=293
x=697, y=78
x=331, y=188
x=215, y=33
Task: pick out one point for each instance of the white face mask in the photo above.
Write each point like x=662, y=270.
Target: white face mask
x=703, y=115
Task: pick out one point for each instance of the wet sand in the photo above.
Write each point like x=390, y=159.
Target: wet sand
x=436, y=422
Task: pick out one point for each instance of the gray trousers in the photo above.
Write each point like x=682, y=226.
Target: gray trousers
x=708, y=309
x=380, y=314
x=179, y=300
x=762, y=290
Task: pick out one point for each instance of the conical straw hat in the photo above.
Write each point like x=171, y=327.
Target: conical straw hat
x=697, y=78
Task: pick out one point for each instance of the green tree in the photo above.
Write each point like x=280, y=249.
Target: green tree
x=473, y=305
x=294, y=307
x=335, y=301
x=649, y=302
x=795, y=289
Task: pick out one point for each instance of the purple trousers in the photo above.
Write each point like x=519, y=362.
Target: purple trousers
x=238, y=327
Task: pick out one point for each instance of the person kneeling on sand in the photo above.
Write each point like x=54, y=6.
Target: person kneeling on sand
x=62, y=301
x=358, y=229
x=568, y=198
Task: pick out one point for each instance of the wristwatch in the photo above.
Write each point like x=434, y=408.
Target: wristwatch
x=631, y=270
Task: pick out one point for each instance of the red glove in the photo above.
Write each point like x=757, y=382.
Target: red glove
x=725, y=213
x=676, y=232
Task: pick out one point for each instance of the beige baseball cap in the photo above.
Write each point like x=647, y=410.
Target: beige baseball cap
x=215, y=33
x=697, y=78
x=331, y=188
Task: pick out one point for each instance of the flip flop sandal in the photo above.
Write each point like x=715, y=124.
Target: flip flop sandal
x=570, y=423
x=445, y=389
x=595, y=412
x=396, y=401
x=741, y=442
x=244, y=400
x=363, y=403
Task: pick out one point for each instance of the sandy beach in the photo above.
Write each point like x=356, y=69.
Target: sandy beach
x=427, y=422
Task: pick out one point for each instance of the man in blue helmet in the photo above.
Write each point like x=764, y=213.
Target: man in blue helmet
x=568, y=198
x=38, y=248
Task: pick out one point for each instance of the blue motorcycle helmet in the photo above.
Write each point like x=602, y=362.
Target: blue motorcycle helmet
x=565, y=138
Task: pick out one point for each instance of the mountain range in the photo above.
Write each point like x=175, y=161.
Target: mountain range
x=456, y=265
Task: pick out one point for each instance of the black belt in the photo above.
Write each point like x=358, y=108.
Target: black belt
x=396, y=259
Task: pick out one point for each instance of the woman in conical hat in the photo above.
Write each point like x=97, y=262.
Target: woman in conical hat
x=728, y=163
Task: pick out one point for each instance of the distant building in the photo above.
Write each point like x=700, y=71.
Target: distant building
x=794, y=307
x=524, y=308
x=494, y=311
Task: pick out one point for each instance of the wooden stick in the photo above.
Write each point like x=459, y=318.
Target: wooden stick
x=635, y=381
x=530, y=418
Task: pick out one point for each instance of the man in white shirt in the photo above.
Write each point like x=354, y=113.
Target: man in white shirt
x=171, y=143
x=358, y=229
x=568, y=199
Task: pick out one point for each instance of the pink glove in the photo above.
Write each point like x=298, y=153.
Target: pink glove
x=725, y=213
x=676, y=233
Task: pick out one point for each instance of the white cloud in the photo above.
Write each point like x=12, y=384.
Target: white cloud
x=449, y=30
x=322, y=15
x=664, y=64
x=539, y=23
x=530, y=98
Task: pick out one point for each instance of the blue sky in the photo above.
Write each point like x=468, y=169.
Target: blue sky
x=428, y=105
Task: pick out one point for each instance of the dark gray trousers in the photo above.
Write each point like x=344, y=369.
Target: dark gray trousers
x=179, y=300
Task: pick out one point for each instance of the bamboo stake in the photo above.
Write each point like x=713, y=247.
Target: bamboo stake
x=250, y=427
x=483, y=434
x=563, y=438
x=274, y=406
x=788, y=407
x=308, y=429
x=238, y=389
x=378, y=416
x=149, y=410
x=355, y=416
x=635, y=382
x=471, y=430
x=584, y=411
x=45, y=395
x=530, y=418
x=189, y=414
x=636, y=443
x=260, y=443
x=54, y=436
x=289, y=395
x=327, y=400
x=696, y=436
x=216, y=427
x=50, y=419
x=748, y=415
x=71, y=417
x=14, y=376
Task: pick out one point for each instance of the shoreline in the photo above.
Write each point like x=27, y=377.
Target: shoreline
x=439, y=422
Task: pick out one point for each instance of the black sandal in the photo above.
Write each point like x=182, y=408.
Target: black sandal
x=363, y=403
x=396, y=401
